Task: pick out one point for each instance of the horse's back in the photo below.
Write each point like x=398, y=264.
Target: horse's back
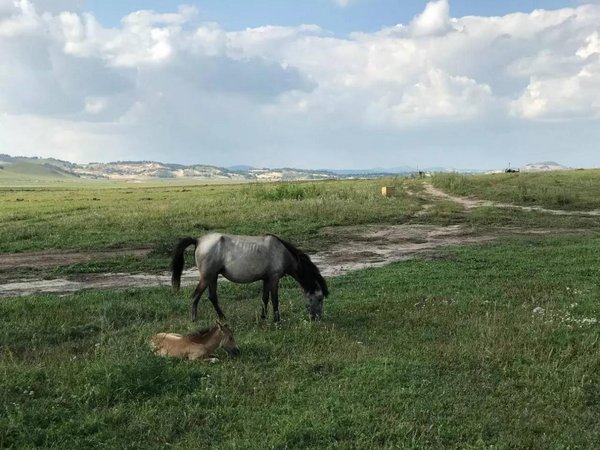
x=173, y=344
x=241, y=258
x=161, y=338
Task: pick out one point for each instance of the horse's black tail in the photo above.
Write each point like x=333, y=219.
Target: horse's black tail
x=177, y=260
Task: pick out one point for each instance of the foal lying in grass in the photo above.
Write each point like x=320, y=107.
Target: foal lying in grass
x=198, y=345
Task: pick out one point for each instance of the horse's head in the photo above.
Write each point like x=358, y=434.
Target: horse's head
x=227, y=340
x=314, y=285
x=313, y=300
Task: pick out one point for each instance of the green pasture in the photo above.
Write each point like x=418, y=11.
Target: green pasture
x=491, y=346
x=570, y=190
x=90, y=218
x=95, y=217
x=27, y=173
x=488, y=346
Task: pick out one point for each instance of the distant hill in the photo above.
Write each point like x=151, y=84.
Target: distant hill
x=240, y=168
x=373, y=172
x=20, y=169
x=33, y=169
x=152, y=169
x=543, y=167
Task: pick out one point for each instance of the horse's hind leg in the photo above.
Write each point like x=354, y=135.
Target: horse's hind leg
x=196, y=298
x=212, y=296
x=265, y=299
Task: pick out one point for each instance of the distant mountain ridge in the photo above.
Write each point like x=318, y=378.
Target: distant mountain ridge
x=147, y=170
x=543, y=166
x=33, y=168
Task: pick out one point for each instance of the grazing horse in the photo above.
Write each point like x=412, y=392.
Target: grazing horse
x=196, y=345
x=244, y=259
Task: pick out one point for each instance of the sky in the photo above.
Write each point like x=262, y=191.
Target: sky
x=343, y=84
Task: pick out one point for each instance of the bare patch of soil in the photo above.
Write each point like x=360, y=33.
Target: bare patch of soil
x=363, y=246
x=53, y=258
x=376, y=246
x=357, y=247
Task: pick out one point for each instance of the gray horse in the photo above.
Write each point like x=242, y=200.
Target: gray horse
x=244, y=259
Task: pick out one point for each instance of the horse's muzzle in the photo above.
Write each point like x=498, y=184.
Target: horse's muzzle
x=234, y=351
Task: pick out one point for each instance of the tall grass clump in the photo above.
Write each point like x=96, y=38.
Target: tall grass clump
x=569, y=189
x=287, y=191
x=453, y=182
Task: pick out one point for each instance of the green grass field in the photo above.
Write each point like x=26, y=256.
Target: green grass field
x=495, y=345
x=423, y=353
x=570, y=190
x=95, y=217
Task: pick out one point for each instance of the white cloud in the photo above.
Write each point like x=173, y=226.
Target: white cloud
x=95, y=105
x=17, y=19
x=437, y=96
x=434, y=20
x=573, y=96
x=160, y=86
x=591, y=47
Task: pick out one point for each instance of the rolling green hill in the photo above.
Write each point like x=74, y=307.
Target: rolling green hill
x=20, y=170
x=34, y=170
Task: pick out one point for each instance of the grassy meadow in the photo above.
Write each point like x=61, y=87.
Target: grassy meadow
x=98, y=217
x=495, y=345
x=93, y=217
x=569, y=190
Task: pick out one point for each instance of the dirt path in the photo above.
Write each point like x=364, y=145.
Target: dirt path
x=470, y=203
x=362, y=247
x=375, y=246
x=54, y=258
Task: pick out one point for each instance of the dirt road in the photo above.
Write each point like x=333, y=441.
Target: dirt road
x=470, y=203
x=363, y=246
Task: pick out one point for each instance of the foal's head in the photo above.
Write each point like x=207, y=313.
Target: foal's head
x=227, y=340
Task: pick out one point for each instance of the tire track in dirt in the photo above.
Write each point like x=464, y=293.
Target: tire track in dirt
x=470, y=203
x=357, y=247
x=46, y=259
x=361, y=247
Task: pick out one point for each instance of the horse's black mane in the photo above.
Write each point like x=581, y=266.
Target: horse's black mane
x=199, y=336
x=308, y=274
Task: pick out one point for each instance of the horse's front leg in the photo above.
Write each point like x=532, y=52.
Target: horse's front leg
x=196, y=298
x=212, y=296
x=265, y=299
x=274, y=284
